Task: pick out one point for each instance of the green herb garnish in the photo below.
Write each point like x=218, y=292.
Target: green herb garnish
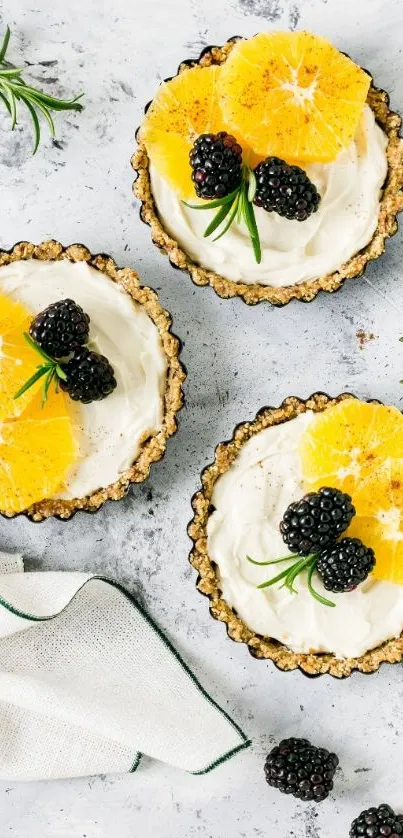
x=289, y=575
x=13, y=89
x=238, y=204
x=50, y=371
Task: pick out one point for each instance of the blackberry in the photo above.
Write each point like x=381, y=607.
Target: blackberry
x=60, y=328
x=296, y=767
x=342, y=566
x=89, y=377
x=381, y=822
x=216, y=160
x=316, y=520
x=285, y=189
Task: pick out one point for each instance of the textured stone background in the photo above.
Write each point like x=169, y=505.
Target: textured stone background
x=238, y=358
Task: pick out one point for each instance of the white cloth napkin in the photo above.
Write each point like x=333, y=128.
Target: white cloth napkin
x=88, y=683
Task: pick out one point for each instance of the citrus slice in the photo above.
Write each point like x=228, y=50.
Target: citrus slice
x=184, y=107
x=382, y=527
x=37, y=450
x=347, y=445
x=17, y=360
x=12, y=314
x=292, y=94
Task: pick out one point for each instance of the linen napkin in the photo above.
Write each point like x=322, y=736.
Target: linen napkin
x=88, y=683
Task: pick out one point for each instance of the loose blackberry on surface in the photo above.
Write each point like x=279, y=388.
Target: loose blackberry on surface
x=285, y=190
x=296, y=767
x=216, y=161
x=89, y=377
x=316, y=520
x=380, y=822
x=60, y=328
x=344, y=565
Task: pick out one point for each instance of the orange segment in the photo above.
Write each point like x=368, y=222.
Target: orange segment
x=292, y=94
x=183, y=108
x=36, y=453
x=358, y=448
x=382, y=527
x=346, y=446
x=17, y=360
x=12, y=314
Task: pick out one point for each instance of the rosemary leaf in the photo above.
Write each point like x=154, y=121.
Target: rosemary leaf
x=46, y=384
x=42, y=370
x=252, y=185
x=231, y=216
x=218, y=202
x=273, y=561
x=4, y=46
x=47, y=115
x=5, y=100
x=37, y=127
x=60, y=373
x=38, y=348
x=12, y=103
x=250, y=221
x=13, y=89
x=51, y=101
x=314, y=593
x=217, y=220
x=275, y=579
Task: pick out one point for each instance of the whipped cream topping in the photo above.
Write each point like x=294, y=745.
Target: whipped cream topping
x=292, y=251
x=250, y=500
x=108, y=432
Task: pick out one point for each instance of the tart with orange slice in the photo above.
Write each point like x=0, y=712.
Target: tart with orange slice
x=252, y=158
x=298, y=535
x=89, y=387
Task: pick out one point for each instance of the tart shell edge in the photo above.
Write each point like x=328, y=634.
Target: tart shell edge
x=152, y=447
x=266, y=648
x=390, y=205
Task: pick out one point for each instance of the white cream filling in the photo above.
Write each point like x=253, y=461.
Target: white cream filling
x=250, y=500
x=292, y=251
x=109, y=431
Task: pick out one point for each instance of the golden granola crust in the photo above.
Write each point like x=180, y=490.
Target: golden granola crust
x=208, y=581
x=391, y=204
x=152, y=446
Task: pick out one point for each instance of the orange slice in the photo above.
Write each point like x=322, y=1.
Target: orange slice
x=292, y=94
x=36, y=452
x=17, y=360
x=183, y=108
x=346, y=446
x=382, y=527
x=358, y=448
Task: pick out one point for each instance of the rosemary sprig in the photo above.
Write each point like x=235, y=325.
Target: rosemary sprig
x=50, y=371
x=289, y=575
x=238, y=204
x=13, y=89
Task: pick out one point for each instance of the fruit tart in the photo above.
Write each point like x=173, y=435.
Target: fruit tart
x=298, y=535
x=90, y=380
x=270, y=168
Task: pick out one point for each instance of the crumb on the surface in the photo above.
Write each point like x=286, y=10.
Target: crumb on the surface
x=364, y=337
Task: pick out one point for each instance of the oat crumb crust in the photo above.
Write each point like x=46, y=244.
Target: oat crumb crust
x=391, y=204
x=152, y=446
x=208, y=581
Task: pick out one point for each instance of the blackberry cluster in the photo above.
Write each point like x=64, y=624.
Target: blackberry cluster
x=216, y=160
x=381, y=822
x=285, y=189
x=317, y=520
x=344, y=565
x=61, y=331
x=296, y=767
x=89, y=377
x=60, y=328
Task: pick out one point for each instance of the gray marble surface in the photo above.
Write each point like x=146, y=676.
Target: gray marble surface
x=238, y=359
